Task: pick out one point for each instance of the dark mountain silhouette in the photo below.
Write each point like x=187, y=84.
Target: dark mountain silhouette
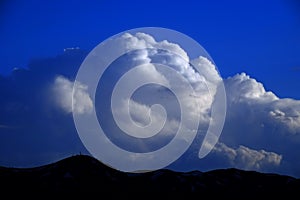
x=84, y=174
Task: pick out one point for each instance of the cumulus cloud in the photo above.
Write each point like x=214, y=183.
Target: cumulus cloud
x=174, y=84
x=63, y=95
x=146, y=53
x=248, y=159
x=37, y=133
x=258, y=119
x=261, y=132
x=243, y=88
x=266, y=116
x=141, y=120
x=142, y=41
x=287, y=113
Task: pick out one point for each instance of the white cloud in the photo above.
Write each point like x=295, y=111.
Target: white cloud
x=258, y=123
x=208, y=70
x=63, y=89
x=249, y=159
x=142, y=40
x=243, y=88
x=259, y=112
x=141, y=120
x=286, y=112
x=256, y=118
x=203, y=83
x=182, y=90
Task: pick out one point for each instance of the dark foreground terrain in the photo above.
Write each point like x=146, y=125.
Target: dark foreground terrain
x=84, y=174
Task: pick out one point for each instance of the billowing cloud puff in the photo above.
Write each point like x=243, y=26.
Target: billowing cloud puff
x=256, y=118
x=153, y=73
x=148, y=50
x=63, y=96
x=265, y=115
x=248, y=159
x=287, y=113
x=243, y=88
x=142, y=41
x=259, y=120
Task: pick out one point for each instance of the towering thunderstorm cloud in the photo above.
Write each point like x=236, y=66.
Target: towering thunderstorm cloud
x=261, y=131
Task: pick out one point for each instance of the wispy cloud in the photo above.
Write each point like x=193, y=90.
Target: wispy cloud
x=5, y=127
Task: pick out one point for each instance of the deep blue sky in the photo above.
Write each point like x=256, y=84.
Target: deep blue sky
x=261, y=38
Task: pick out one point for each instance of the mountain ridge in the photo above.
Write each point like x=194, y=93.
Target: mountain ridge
x=84, y=174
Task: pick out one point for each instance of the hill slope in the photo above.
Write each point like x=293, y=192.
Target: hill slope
x=80, y=174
